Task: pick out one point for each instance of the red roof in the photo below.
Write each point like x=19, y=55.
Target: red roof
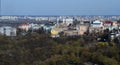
x=107, y=22
x=25, y=24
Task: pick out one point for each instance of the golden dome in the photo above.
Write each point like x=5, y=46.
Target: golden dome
x=54, y=32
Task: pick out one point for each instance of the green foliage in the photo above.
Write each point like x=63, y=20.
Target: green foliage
x=102, y=44
x=40, y=49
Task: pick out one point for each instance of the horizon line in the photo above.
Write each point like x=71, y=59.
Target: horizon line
x=59, y=15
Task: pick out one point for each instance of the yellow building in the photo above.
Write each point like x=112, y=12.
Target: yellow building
x=54, y=33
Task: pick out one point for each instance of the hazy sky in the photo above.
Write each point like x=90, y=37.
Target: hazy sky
x=60, y=7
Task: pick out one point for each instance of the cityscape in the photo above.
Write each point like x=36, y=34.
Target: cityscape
x=59, y=32
x=54, y=25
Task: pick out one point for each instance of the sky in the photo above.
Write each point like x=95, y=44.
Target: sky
x=60, y=7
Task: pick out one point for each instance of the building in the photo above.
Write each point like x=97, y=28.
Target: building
x=68, y=21
x=107, y=24
x=82, y=29
x=27, y=26
x=115, y=23
x=48, y=26
x=97, y=24
x=71, y=33
x=55, y=32
x=24, y=26
x=34, y=26
x=8, y=31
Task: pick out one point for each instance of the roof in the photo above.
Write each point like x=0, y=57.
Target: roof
x=25, y=24
x=97, y=21
x=108, y=22
x=54, y=32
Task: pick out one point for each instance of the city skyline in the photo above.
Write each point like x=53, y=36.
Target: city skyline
x=60, y=7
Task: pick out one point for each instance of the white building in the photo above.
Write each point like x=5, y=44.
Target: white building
x=26, y=27
x=68, y=21
x=97, y=24
x=8, y=31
